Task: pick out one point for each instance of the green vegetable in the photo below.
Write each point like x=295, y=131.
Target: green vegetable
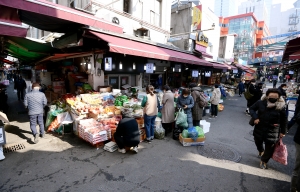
x=185, y=133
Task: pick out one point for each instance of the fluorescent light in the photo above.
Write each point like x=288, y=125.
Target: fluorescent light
x=173, y=69
x=120, y=65
x=133, y=66
x=144, y=67
x=89, y=66
x=154, y=68
x=179, y=70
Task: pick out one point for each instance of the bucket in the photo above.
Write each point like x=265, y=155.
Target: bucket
x=205, y=125
x=207, y=111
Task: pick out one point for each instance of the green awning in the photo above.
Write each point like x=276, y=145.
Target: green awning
x=27, y=50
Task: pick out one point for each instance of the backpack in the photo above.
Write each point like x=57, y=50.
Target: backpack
x=202, y=101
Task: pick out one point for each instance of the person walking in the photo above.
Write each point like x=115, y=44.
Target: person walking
x=20, y=86
x=274, y=81
x=35, y=101
x=168, y=109
x=296, y=170
x=282, y=90
x=199, y=103
x=241, y=87
x=214, y=100
x=255, y=92
x=186, y=102
x=270, y=124
x=150, y=105
x=127, y=135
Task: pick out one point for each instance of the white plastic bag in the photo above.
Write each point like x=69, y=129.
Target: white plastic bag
x=159, y=133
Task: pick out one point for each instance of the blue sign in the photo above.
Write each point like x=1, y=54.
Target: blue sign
x=265, y=60
x=281, y=35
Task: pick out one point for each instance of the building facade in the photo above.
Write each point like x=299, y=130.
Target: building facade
x=226, y=8
x=182, y=23
x=249, y=33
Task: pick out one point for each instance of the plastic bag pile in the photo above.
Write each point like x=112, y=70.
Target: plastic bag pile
x=193, y=133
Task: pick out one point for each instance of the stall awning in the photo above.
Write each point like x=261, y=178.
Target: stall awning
x=131, y=47
x=295, y=55
x=56, y=18
x=230, y=67
x=6, y=61
x=290, y=48
x=219, y=66
x=10, y=23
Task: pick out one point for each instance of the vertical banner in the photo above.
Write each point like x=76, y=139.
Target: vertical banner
x=197, y=17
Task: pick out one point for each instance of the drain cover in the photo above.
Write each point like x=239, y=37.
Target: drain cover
x=13, y=148
x=219, y=152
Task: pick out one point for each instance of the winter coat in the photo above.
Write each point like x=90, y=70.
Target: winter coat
x=265, y=129
x=20, y=84
x=197, y=96
x=189, y=102
x=256, y=95
x=216, y=96
x=241, y=87
x=282, y=92
x=168, y=110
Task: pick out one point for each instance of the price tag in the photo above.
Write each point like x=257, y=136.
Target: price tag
x=102, y=132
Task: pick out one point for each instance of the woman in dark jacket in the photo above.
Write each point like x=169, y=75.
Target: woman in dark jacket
x=270, y=123
x=255, y=92
x=185, y=101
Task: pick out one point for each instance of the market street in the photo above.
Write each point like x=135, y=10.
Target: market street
x=66, y=163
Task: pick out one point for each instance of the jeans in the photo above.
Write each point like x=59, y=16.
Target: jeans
x=268, y=151
x=149, y=122
x=296, y=171
x=214, y=110
x=36, y=118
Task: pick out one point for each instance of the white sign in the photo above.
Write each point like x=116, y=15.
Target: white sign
x=1, y=136
x=149, y=68
x=195, y=73
x=177, y=38
x=234, y=71
x=207, y=73
x=108, y=64
x=291, y=72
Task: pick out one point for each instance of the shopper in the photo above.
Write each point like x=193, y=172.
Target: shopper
x=282, y=90
x=296, y=171
x=186, y=102
x=274, y=81
x=127, y=135
x=150, y=105
x=35, y=101
x=252, y=88
x=20, y=86
x=168, y=109
x=214, y=100
x=241, y=87
x=270, y=124
x=199, y=103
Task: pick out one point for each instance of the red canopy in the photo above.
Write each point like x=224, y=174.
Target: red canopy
x=131, y=47
x=295, y=55
x=219, y=66
x=46, y=8
x=291, y=48
x=6, y=61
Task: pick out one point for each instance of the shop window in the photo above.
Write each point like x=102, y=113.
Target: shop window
x=155, y=14
x=126, y=5
x=142, y=33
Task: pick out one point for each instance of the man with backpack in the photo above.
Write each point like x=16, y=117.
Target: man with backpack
x=200, y=102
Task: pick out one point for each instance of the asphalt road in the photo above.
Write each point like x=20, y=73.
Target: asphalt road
x=66, y=163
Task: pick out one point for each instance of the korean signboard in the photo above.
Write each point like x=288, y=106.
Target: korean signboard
x=149, y=68
x=197, y=17
x=201, y=39
x=108, y=64
x=195, y=73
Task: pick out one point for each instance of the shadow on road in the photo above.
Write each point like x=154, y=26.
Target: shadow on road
x=19, y=132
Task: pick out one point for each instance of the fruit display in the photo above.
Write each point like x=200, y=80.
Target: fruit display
x=93, y=99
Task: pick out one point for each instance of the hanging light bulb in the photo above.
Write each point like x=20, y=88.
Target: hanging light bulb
x=145, y=67
x=154, y=68
x=179, y=70
x=120, y=65
x=133, y=66
x=173, y=69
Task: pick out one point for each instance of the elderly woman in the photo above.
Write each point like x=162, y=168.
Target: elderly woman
x=168, y=109
x=186, y=102
x=200, y=102
x=270, y=124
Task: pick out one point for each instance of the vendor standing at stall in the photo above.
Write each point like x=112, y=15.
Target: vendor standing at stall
x=168, y=109
x=127, y=135
x=186, y=102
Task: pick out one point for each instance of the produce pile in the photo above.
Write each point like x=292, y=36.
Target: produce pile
x=194, y=133
x=132, y=110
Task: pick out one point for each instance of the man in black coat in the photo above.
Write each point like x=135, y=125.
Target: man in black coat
x=253, y=89
x=127, y=135
x=270, y=124
x=20, y=86
x=282, y=90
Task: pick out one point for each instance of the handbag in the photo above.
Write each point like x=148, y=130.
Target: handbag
x=280, y=152
x=181, y=119
x=247, y=94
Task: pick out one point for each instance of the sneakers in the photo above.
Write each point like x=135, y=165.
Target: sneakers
x=122, y=151
x=135, y=149
x=36, y=138
x=147, y=140
x=42, y=135
x=260, y=154
x=263, y=165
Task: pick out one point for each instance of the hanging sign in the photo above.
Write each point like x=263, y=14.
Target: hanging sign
x=195, y=73
x=2, y=136
x=108, y=64
x=234, y=71
x=178, y=68
x=207, y=73
x=149, y=68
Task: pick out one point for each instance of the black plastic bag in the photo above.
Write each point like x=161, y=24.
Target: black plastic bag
x=176, y=132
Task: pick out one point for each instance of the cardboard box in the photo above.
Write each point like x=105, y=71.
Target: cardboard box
x=190, y=142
